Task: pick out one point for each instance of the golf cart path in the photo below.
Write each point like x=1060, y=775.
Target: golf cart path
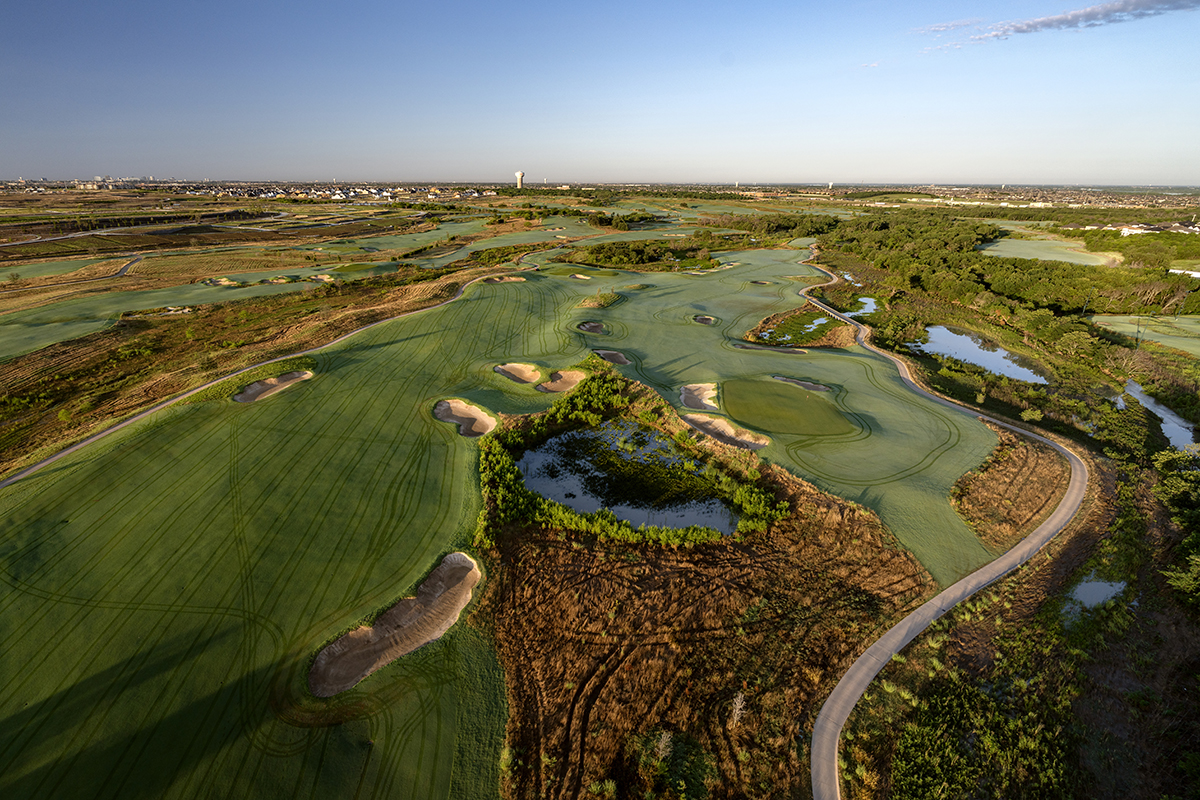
x=827, y=730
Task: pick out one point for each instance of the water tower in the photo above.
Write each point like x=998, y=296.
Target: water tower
x=520, y=179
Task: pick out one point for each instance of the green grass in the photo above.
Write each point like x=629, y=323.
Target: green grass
x=1181, y=333
x=162, y=592
x=778, y=407
x=47, y=268
x=1043, y=249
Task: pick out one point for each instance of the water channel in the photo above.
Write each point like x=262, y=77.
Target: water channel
x=975, y=349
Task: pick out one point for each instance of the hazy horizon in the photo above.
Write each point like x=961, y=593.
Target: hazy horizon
x=775, y=93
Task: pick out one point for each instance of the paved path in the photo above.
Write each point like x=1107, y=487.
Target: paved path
x=827, y=731
x=164, y=404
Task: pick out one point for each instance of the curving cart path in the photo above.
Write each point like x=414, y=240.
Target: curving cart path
x=827, y=731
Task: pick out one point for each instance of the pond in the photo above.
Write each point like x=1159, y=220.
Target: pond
x=1179, y=432
x=975, y=349
x=869, y=305
x=635, y=472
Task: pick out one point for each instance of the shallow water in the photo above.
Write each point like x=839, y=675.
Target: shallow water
x=569, y=470
x=1092, y=593
x=975, y=349
x=868, y=307
x=1179, y=432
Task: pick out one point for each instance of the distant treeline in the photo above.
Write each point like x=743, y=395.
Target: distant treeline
x=792, y=225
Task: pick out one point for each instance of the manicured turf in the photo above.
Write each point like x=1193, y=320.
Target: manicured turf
x=1181, y=333
x=1043, y=249
x=161, y=592
x=44, y=268
x=776, y=407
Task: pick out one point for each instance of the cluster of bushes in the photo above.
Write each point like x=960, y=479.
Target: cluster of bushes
x=791, y=226
x=643, y=254
x=602, y=396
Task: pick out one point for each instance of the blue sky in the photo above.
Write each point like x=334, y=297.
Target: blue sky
x=761, y=91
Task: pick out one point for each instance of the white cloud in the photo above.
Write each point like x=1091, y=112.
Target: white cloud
x=1090, y=17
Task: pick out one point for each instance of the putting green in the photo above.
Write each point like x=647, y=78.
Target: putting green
x=162, y=590
x=777, y=407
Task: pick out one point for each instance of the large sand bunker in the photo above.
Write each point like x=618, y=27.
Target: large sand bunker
x=404, y=627
x=698, y=396
x=722, y=430
x=816, y=387
x=591, y=327
x=613, y=357
x=504, y=279
x=562, y=381
x=519, y=373
x=704, y=319
x=269, y=386
x=471, y=420
x=577, y=276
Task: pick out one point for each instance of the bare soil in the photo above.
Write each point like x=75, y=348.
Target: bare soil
x=411, y=623
x=699, y=396
x=472, y=421
x=726, y=432
x=601, y=643
x=269, y=386
x=612, y=357
x=519, y=373
x=1010, y=494
x=562, y=381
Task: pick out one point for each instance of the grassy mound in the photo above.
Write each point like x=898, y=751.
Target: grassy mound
x=783, y=408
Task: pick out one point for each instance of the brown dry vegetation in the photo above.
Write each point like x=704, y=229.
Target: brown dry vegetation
x=1010, y=494
x=69, y=390
x=602, y=643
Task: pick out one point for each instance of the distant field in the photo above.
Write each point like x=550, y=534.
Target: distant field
x=45, y=268
x=1181, y=333
x=1043, y=249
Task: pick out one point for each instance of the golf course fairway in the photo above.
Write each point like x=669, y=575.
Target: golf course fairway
x=165, y=589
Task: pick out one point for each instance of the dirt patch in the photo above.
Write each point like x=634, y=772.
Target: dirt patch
x=761, y=283
x=698, y=396
x=411, y=623
x=602, y=644
x=471, y=420
x=591, y=327
x=519, y=373
x=562, y=381
x=814, y=387
x=1010, y=494
x=505, y=279
x=724, y=431
x=269, y=386
x=704, y=320
x=613, y=357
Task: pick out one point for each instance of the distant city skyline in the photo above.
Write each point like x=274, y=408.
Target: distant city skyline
x=767, y=93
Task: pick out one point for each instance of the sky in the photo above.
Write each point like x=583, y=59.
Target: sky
x=762, y=91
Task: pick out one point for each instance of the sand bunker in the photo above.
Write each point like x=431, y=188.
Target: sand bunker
x=265, y=388
x=562, y=381
x=591, y=327
x=612, y=357
x=816, y=387
x=722, y=430
x=577, y=276
x=519, y=373
x=504, y=279
x=471, y=421
x=404, y=627
x=704, y=320
x=762, y=283
x=749, y=346
x=697, y=396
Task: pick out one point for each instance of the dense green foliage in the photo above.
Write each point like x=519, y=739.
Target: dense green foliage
x=1145, y=249
x=651, y=254
x=792, y=226
x=601, y=396
x=621, y=222
x=669, y=766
